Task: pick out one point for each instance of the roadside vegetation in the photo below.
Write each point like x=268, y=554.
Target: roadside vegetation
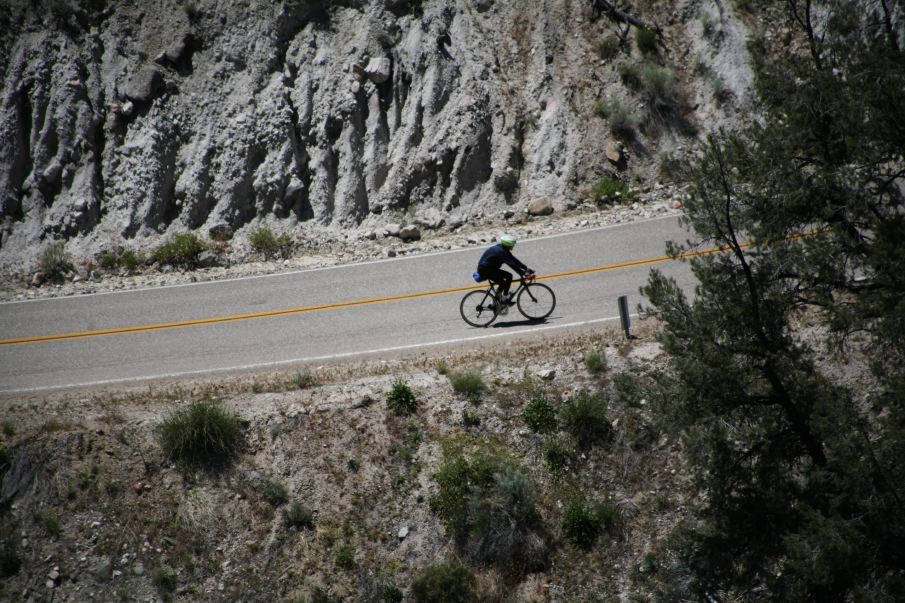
x=202, y=433
x=181, y=250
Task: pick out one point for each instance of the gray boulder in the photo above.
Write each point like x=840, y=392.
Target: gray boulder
x=410, y=233
x=540, y=207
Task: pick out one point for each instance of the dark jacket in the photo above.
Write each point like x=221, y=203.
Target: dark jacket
x=498, y=255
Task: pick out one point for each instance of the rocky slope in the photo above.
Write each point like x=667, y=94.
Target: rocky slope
x=123, y=121
x=94, y=512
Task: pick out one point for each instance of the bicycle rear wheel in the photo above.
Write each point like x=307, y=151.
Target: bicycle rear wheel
x=478, y=308
x=536, y=301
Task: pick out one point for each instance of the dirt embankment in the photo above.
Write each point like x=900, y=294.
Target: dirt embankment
x=94, y=511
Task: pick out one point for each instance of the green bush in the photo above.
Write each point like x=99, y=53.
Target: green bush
x=201, y=433
x=180, y=250
x=646, y=40
x=622, y=122
x=558, y=454
x=628, y=389
x=659, y=90
x=609, y=47
x=490, y=508
x=468, y=383
x=6, y=462
x=262, y=239
x=380, y=589
x=391, y=594
x=470, y=418
x=539, y=414
x=581, y=524
x=450, y=582
x=304, y=380
x=630, y=75
x=48, y=520
x=585, y=417
x=609, y=190
x=457, y=477
x=401, y=400
x=10, y=562
x=273, y=491
x=165, y=580
x=594, y=361
x=119, y=257
x=55, y=262
x=345, y=557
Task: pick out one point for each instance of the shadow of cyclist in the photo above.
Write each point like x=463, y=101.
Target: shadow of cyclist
x=519, y=323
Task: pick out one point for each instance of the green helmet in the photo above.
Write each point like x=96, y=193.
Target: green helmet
x=507, y=241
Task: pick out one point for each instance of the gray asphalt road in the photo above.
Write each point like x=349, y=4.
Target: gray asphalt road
x=312, y=324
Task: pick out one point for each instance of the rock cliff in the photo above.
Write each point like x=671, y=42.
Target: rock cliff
x=123, y=120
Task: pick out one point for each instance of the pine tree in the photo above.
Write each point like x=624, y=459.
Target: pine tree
x=801, y=471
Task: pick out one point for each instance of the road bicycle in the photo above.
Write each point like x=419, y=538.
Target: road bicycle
x=534, y=300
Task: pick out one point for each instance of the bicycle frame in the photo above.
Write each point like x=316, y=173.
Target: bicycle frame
x=522, y=281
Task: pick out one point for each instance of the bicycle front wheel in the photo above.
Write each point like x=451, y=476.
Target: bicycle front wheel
x=536, y=301
x=478, y=308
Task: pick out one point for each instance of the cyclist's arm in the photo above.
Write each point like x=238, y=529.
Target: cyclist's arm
x=516, y=265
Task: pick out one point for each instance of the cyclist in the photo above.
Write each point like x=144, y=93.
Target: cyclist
x=490, y=268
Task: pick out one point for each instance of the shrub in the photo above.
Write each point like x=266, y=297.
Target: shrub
x=6, y=462
x=609, y=190
x=49, y=521
x=628, y=389
x=10, y=562
x=9, y=429
x=450, y=582
x=298, y=516
x=457, y=477
x=304, y=380
x=489, y=506
x=622, y=122
x=119, y=257
x=646, y=40
x=539, y=414
x=468, y=383
x=345, y=557
x=55, y=262
x=630, y=75
x=594, y=361
x=470, y=418
x=262, y=239
x=609, y=47
x=442, y=368
x=581, y=524
x=391, y=594
x=165, y=580
x=273, y=491
x=558, y=454
x=584, y=416
x=380, y=589
x=401, y=400
x=659, y=90
x=180, y=250
x=203, y=432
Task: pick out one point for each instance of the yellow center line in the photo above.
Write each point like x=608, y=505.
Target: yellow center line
x=335, y=306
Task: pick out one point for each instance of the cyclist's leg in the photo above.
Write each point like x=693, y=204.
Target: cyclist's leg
x=506, y=282
x=503, y=280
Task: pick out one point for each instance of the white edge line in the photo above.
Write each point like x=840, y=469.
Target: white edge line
x=340, y=266
x=277, y=363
